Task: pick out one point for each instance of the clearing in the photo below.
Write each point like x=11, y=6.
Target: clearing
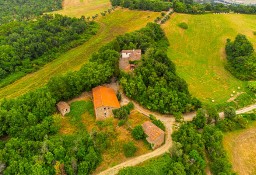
x=241, y=148
x=77, y=8
x=82, y=118
x=199, y=52
x=117, y=23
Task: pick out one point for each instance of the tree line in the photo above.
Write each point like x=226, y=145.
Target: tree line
x=32, y=144
x=188, y=6
x=26, y=46
x=241, y=58
x=153, y=5
x=19, y=10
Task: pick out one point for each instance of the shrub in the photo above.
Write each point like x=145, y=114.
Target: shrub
x=183, y=25
x=123, y=112
x=129, y=149
x=252, y=86
x=229, y=113
x=121, y=122
x=158, y=123
x=178, y=117
x=254, y=32
x=138, y=133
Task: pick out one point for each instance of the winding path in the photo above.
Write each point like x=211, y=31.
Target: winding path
x=168, y=121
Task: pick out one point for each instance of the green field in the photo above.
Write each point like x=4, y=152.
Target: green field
x=199, y=52
x=241, y=148
x=117, y=23
x=77, y=8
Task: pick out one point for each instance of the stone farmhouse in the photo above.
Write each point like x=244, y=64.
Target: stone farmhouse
x=104, y=100
x=128, y=56
x=155, y=136
x=63, y=107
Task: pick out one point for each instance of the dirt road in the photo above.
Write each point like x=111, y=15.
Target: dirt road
x=168, y=121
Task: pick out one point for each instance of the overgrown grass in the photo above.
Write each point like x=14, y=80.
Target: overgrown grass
x=77, y=8
x=199, y=52
x=112, y=25
x=240, y=146
x=77, y=109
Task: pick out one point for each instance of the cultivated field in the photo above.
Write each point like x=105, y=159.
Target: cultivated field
x=77, y=8
x=241, y=148
x=199, y=51
x=117, y=23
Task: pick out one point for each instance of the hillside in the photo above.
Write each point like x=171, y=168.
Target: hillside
x=112, y=25
x=199, y=54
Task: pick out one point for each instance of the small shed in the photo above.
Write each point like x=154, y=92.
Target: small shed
x=155, y=136
x=63, y=107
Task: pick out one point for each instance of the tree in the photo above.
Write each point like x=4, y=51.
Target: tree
x=129, y=149
x=200, y=119
x=138, y=132
x=229, y=113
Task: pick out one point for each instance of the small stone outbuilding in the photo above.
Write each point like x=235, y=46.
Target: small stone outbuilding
x=155, y=136
x=63, y=107
x=128, y=56
x=104, y=100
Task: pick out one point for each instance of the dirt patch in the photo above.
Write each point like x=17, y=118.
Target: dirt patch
x=235, y=96
x=65, y=126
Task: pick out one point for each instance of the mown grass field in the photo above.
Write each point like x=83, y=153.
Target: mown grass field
x=117, y=23
x=241, y=148
x=199, y=52
x=77, y=8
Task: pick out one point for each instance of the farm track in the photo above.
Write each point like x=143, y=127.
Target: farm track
x=168, y=121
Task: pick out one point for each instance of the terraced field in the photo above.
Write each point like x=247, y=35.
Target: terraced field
x=199, y=51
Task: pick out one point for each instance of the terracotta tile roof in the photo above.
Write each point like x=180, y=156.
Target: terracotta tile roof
x=151, y=130
x=103, y=96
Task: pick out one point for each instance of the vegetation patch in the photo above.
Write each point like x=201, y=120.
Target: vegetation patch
x=13, y=10
x=252, y=86
x=129, y=149
x=241, y=58
x=153, y=5
x=183, y=25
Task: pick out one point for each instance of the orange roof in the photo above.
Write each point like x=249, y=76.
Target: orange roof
x=103, y=96
x=151, y=130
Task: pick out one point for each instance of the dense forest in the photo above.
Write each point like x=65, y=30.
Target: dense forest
x=17, y=10
x=26, y=46
x=241, y=58
x=154, y=83
x=30, y=140
x=153, y=5
x=193, y=142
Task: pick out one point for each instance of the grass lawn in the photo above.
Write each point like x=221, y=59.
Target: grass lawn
x=117, y=23
x=199, y=52
x=77, y=8
x=241, y=148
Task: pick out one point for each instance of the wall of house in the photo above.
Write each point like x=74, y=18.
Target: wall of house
x=103, y=112
x=64, y=111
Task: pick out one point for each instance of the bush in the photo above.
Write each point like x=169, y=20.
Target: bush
x=129, y=149
x=252, y=86
x=178, y=117
x=230, y=113
x=123, y=112
x=158, y=123
x=183, y=25
x=254, y=32
x=121, y=122
x=138, y=133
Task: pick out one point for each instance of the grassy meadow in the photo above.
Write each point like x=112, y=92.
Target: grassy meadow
x=114, y=24
x=199, y=52
x=241, y=149
x=77, y=8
